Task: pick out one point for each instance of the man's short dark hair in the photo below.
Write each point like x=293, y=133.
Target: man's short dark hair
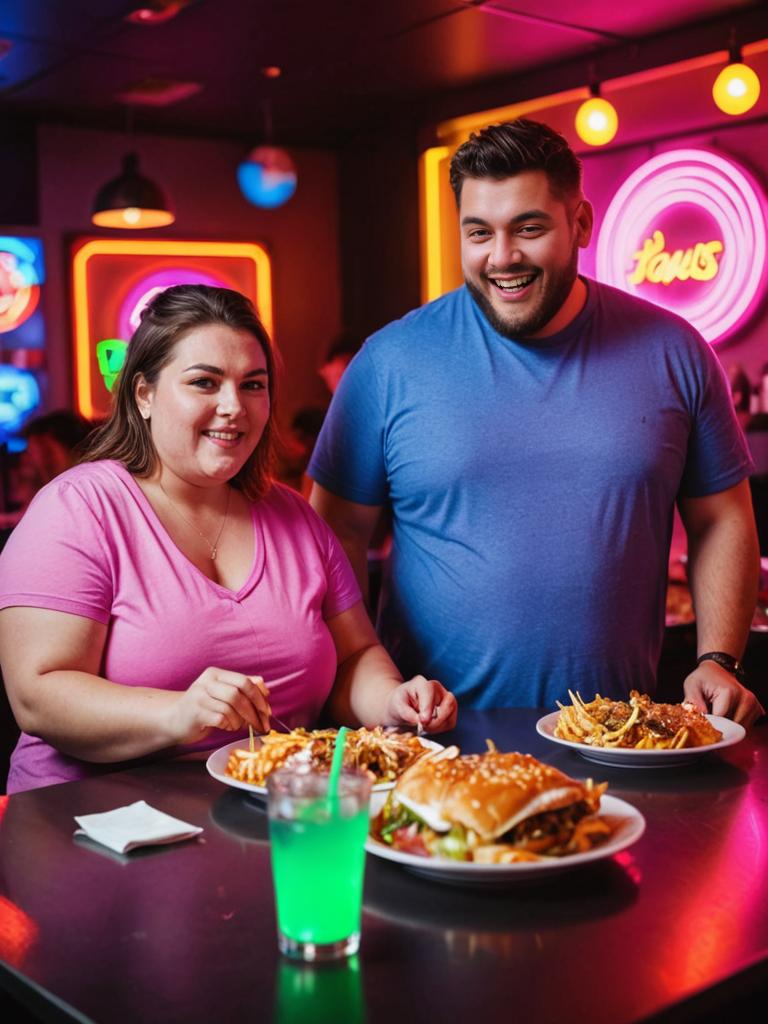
x=504, y=150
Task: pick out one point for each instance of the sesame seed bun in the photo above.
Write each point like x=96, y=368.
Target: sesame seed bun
x=489, y=793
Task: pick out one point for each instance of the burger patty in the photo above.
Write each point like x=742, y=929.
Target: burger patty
x=549, y=823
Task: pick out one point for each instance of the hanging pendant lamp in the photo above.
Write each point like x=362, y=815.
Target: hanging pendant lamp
x=267, y=176
x=131, y=201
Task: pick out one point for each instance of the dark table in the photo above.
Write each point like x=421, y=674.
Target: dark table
x=673, y=929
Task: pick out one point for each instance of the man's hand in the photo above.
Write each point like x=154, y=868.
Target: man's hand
x=714, y=690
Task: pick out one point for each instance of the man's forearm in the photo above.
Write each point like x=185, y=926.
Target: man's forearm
x=723, y=568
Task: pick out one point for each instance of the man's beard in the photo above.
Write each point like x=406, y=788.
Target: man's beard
x=524, y=325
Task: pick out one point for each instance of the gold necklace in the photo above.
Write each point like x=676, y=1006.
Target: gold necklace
x=215, y=546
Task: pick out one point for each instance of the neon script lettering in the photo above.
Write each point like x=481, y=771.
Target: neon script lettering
x=659, y=267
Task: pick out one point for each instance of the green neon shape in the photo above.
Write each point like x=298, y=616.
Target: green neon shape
x=110, y=354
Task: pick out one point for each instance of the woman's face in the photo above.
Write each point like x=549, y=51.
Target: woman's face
x=210, y=404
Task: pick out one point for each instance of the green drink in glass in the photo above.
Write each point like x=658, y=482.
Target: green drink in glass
x=318, y=857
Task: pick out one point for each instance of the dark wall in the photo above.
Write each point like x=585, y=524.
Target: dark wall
x=18, y=172
x=379, y=229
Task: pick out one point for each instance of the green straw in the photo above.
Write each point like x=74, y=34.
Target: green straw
x=336, y=765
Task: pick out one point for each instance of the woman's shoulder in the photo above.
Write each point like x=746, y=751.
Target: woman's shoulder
x=283, y=500
x=90, y=488
x=87, y=478
x=282, y=504
x=72, y=507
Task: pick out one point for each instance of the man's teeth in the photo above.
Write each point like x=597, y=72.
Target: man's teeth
x=514, y=284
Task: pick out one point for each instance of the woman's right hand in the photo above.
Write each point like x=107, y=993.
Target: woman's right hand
x=219, y=699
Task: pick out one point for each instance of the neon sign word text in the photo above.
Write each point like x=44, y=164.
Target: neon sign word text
x=692, y=194
x=657, y=266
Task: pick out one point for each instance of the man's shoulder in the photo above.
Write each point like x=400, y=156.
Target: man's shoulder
x=636, y=311
x=431, y=318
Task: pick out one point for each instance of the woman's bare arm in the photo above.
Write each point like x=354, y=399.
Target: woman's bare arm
x=370, y=691
x=51, y=662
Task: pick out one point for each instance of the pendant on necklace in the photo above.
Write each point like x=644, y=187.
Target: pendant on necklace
x=213, y=554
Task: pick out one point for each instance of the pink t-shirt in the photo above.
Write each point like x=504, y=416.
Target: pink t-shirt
x=90, y=544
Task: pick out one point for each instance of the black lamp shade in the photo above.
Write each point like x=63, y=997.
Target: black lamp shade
x=131, y=200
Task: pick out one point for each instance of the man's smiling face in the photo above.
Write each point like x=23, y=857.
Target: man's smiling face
x=519, y=252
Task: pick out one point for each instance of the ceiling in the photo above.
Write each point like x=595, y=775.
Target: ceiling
x=344, y=63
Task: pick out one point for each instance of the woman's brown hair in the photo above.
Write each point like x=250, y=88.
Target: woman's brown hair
x=125, y=436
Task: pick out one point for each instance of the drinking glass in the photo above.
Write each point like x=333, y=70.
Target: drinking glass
x=318, y=857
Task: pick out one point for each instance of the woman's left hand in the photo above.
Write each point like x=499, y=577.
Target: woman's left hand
x=423, y=703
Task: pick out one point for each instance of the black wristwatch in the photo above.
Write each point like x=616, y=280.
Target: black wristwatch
x=726, y=661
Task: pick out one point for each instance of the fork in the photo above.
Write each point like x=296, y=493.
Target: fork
x=281, y=726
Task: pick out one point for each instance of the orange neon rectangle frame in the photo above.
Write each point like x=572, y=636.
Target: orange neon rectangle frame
x=152, y=248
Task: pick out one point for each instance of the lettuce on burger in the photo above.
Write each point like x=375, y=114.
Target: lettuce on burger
x=491, y=808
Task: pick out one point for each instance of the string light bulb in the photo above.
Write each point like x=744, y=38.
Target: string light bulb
x=596, y=119
x=737, y=87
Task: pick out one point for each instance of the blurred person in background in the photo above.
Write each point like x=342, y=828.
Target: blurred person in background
x=741, y=393
x=53, y=442
x=341, y=353
x=296, y=448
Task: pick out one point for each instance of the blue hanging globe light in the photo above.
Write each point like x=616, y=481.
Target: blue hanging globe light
x=267, y=177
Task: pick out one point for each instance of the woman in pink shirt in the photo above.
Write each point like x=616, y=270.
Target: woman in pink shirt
x=165, y=593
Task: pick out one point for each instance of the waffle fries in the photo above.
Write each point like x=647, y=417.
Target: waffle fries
x=638, y=724
x=383, y=753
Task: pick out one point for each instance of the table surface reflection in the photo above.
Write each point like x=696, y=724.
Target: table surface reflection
x=673, y=926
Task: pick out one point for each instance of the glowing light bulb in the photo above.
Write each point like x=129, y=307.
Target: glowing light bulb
x=596, y=121
x=132, y=215
x=736, y=89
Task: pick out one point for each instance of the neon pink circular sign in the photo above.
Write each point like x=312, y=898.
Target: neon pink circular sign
x=687, y=230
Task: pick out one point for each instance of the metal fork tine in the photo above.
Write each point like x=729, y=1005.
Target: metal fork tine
x=281, y=726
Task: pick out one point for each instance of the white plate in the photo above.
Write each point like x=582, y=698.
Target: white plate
x=217, y=765
x=629, y=825
x=620, y=757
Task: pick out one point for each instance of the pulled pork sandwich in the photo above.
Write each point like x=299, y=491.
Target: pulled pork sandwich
x=492, y=808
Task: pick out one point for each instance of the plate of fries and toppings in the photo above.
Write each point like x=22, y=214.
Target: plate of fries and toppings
x=384, y=752
x=496, y=818
x=637, y=733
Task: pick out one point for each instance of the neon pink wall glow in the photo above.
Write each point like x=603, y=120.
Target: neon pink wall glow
x=706, y=186
x=149, y=284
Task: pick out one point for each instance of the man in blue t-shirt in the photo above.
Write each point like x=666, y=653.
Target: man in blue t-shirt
x=531, y=433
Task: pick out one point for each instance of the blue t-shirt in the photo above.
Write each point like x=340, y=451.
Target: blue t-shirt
x=532, y=488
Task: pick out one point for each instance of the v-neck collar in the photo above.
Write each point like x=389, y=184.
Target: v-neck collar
x=257, y=567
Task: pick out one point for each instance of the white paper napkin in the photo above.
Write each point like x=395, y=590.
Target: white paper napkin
x=138, y=824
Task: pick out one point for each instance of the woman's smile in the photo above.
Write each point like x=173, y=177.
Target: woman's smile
x=225, y=438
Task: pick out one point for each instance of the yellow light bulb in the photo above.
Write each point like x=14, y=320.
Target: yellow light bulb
x=736, y=89
x=596, y=121
x=132, y=215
